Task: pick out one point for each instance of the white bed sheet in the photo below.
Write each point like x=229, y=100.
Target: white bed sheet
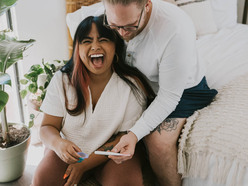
x=209, y=180
x=226, y=57
x=225, y=54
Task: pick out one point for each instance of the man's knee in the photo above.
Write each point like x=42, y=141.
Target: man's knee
x=159, y=147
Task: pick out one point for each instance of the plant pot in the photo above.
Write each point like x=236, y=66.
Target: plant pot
x=13, y=161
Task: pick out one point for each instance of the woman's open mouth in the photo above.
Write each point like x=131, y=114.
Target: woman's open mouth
x=97, y=60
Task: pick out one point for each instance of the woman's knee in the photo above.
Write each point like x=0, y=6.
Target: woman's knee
x=50, y=171
x=127, y=173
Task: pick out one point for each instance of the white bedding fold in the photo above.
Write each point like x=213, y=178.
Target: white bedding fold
x=219, y=130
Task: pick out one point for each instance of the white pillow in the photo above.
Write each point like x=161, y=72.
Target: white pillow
x=225, y=12
x=74, y=19
x=201, y=14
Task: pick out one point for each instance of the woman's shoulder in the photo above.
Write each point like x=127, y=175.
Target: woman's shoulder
x=117, y=79
x=60, y=76
x=123, y=85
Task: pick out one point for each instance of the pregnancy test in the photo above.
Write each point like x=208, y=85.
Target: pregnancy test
x=110, y=153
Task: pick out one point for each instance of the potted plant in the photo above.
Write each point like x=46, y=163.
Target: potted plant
x=35, y=82
x=14, y=138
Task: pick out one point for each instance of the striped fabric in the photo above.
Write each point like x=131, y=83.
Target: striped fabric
x=186, y=2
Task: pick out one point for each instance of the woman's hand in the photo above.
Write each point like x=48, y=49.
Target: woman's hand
x=126, y=145
x=73, y=174
x=67, y=151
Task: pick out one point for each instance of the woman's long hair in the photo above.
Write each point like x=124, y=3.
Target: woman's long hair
x=78, y=73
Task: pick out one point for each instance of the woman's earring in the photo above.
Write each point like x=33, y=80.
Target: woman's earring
x=117, y=58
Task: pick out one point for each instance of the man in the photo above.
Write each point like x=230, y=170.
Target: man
x=161, y=43
x=160, y=40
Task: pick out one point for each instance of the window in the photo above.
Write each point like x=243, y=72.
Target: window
x=14, y=106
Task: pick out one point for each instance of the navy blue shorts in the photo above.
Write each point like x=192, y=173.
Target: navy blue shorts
x=193, y=99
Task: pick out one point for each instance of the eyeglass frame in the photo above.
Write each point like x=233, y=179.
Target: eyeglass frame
x=123, y=27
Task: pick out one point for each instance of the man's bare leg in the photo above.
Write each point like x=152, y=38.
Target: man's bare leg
x=162, y=151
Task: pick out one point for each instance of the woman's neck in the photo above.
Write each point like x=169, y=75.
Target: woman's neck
x=97, y=85
x=96, y=78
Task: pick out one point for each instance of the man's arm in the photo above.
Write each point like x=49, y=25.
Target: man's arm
x=95, y=160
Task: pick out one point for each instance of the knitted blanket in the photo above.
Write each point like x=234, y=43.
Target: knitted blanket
x=219, y=130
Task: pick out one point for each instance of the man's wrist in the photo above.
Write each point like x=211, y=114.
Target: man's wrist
x=133, y=136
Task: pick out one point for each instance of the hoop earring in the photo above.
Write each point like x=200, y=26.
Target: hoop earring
x=117, y=58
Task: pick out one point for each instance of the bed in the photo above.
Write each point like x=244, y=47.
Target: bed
x=213, y=146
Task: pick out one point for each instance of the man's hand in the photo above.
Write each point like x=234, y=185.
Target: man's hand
x=126, y=145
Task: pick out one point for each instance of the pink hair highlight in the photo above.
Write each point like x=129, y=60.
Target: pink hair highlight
x=80, y=77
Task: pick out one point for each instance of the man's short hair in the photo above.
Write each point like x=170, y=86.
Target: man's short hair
x=140, y=3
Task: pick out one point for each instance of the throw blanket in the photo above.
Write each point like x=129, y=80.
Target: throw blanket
x=219, y=130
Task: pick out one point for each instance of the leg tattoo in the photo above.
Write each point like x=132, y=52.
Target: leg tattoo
x=169, y=124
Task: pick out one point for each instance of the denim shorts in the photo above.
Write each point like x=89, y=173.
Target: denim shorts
x=193, y=99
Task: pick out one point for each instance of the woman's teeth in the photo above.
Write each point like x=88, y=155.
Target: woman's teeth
x=96, y=55
x=97, y=59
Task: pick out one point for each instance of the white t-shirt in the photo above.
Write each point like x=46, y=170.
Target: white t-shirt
x=116, y=110
x=165, y=51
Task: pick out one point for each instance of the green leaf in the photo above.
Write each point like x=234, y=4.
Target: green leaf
x=24, y=81
x=23, y=93
x=48, y=70
x=33, y=88
x=65, y=61
x=46, y=84
x=31, y=116
x=27, y=76
x=5, y=79
x=11, y=50
x=41, y=88
x=35, y=67
x=34, y=79
x=53, y=67
x=4, y=99
x=43, y=95
x=5, y=5
x=33, y=74
x=39, y=98
x=31, y=123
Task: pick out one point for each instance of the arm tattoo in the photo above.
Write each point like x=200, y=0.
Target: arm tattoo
x=106, y=148
x=112, y=138
x=169, y=124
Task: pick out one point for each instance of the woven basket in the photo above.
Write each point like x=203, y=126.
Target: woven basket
x=72, y=6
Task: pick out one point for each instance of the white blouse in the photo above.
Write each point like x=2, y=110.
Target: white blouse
x=116, y=110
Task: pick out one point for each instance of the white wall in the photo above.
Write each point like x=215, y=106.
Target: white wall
x=44, y=21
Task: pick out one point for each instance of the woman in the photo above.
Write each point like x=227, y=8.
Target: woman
x=94, y=96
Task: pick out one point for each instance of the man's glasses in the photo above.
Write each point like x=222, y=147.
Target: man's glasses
x=126, y=28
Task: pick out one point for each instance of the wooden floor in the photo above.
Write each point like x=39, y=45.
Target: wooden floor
x=25, y=180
